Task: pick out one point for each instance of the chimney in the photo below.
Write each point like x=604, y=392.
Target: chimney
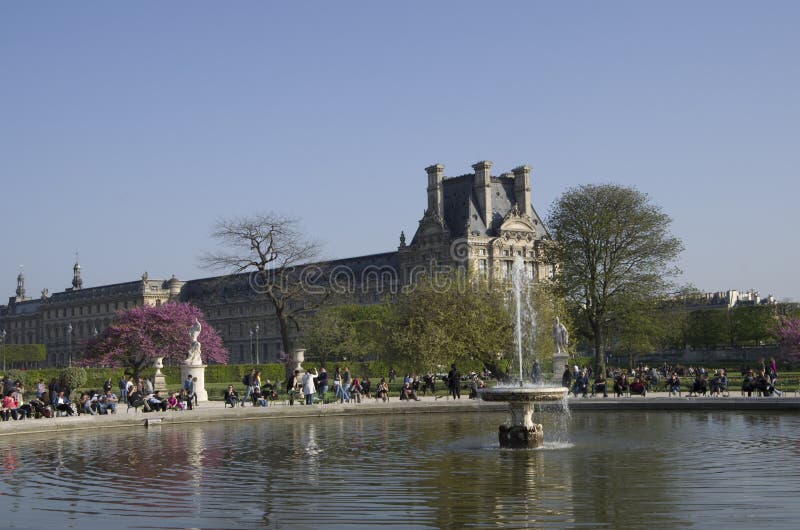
x=435, y=202
x=522, y=189
x=483, y=190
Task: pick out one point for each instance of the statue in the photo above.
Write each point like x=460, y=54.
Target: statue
x=194, y=345
x=560, y=336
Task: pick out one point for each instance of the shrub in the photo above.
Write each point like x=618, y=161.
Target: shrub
x=73, y=377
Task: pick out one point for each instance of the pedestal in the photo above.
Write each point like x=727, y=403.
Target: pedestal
x=520, y=436
x=160, y=383
x=559, y=361
x=198, y=371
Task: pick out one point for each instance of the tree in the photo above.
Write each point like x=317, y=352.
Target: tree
x=787, y=331
x=137, y=335
x=346, y=330
x=272, y=249
x=708, y=328
x=612, y=245
x=448, y=319
x=752, y=324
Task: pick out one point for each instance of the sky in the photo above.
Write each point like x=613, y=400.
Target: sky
x=128, y=129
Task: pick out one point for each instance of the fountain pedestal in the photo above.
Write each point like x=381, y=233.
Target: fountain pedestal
x=521, y=432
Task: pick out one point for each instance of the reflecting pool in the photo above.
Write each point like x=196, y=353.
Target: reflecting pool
x=614, y=470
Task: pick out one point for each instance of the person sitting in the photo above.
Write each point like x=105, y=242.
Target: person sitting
x=764, y=385
x=268, y=391
x=749, y=383
x=718, y=383
x=85, y=405
x=355, y=390
x=599, y=385
x=258, y=397
x=620, y=385
x=231, y=396
x=637, y=388
x=674, y=384
x=699, y=385
x=407, y=393
x=186, y=399
x=173, y=403
x=156, y=402
x=581, y=385
x=136, y=399
x=40, y=407
x=475, y=384
x=366, y=387
x=107, y=403
x=382, y=391
x=9, y=407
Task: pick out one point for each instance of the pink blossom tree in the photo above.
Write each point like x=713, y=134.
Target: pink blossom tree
x=787, y=331
x=138, y=335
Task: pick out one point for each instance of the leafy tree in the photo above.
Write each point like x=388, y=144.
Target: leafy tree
x=752, y=324
x=346, y=330
x=612, y=245
x=708, y=328
x=273, y=250
x=136, y=336
x=448, y=319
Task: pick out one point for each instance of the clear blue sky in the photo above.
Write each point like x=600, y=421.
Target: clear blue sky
x=126, y=129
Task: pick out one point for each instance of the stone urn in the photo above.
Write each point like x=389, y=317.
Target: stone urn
x=298, y=357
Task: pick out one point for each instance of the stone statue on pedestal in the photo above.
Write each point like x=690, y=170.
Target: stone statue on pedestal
x=560, y=336
x=194, y=346
x=193, y=365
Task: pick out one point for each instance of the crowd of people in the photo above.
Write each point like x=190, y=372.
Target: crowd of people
x=667, y=378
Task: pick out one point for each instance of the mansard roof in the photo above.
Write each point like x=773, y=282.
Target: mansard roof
x=461, y=215
x=244, y=286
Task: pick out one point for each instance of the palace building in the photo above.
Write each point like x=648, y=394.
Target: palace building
x=475, y=222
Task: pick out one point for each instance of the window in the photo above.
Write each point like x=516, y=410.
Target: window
x=482, y=267
x=509, y=266
x=530, y=270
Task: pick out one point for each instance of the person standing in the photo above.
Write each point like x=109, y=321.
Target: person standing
x=454, y=382
x=322, y=383
x=308, y=386
x=566, y=377
x=122, y=385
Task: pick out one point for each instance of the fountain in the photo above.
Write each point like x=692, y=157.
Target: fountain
x=521, y=431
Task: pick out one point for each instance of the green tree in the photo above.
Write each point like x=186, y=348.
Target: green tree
x=449, y=319
x=346, y=330
x=751, y=325
x=612, y=245
x=708, y=328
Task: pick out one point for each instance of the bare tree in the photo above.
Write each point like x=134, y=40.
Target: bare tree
x=280, y=261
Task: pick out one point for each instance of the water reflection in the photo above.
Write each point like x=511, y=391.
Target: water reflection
x=431, y=471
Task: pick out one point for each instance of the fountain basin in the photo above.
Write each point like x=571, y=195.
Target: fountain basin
x=521, y=432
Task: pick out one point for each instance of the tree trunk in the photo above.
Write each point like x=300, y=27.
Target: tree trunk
x=599, y=360
x=286, y=341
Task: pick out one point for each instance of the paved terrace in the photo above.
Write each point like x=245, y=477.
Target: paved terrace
x=215, y=411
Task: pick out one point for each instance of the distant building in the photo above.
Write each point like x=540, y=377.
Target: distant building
x=728, y=300
x=475, y=222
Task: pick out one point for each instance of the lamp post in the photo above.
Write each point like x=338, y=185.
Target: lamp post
x=257, y=363
x=69, y=342
x=3, y=345
x=251, y=346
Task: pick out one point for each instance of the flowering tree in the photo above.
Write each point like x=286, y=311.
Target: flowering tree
x=138, y=335
x=787, y=331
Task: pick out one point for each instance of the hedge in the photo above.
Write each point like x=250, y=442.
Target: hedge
x=24, y=352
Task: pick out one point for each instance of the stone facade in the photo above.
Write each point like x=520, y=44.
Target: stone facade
x=478, y=222
x=475, y=222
